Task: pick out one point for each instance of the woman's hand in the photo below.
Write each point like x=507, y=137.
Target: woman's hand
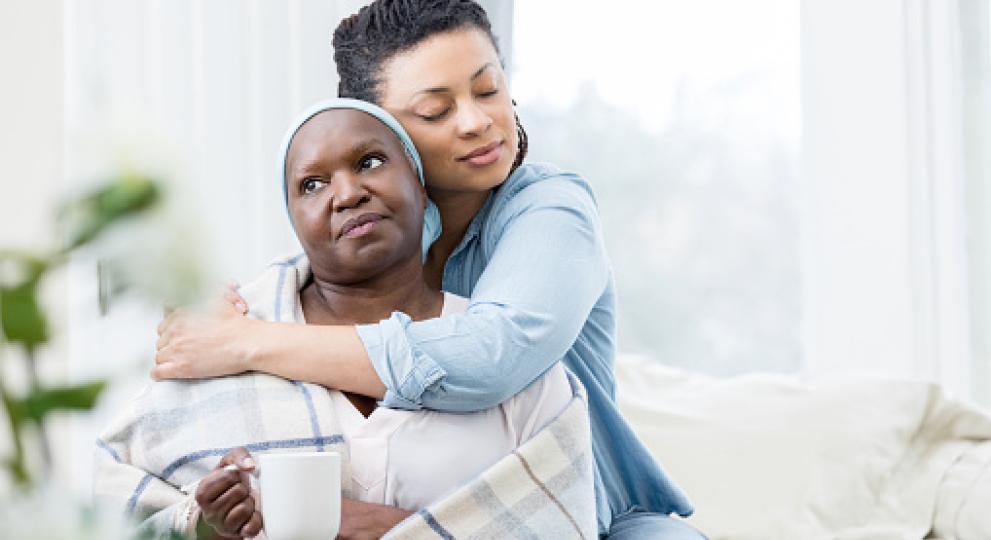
x=199, y=344
x=227, y=503
x=222, y=341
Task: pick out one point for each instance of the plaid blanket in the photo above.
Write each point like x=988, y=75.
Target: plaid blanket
x=174, y=432
x=544, y=489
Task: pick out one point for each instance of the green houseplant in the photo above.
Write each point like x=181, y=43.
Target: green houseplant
x=24, y=322
x=39, y=509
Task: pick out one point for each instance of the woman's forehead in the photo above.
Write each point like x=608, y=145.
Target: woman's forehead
x=341, y=129
x=440, y=61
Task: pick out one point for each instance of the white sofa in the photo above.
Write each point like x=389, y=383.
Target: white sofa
x=773, y=457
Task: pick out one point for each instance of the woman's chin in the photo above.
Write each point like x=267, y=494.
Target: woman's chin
x=500, y=170
x=365, y=261
x=472, y=178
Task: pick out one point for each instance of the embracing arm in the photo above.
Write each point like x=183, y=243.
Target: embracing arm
x=547, y=270
x=198, y=345
x=332, y=356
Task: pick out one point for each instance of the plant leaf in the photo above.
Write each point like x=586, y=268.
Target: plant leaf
x=42, y=401
x=18, y=472
x=22, y=319
x=89, y=215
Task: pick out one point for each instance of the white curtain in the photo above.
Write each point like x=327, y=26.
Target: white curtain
x=217, y=81
x=889, y=272
x=975, y=16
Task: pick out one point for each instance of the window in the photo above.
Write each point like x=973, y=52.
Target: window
x=686, y=123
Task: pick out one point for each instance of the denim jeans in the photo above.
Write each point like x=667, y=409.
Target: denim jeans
x=639, y=525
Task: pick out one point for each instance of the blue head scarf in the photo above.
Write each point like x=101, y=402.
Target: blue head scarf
x=431, y=216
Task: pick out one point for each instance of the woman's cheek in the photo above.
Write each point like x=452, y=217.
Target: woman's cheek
x=309, y=224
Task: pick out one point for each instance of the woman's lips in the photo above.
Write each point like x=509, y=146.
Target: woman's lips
x=486, y=155
x=360, y=226
x=360, y=230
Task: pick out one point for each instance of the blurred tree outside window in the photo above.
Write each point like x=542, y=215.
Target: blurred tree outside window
x=684, y=116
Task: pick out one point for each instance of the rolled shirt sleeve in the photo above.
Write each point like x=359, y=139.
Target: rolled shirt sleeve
x=542, y=267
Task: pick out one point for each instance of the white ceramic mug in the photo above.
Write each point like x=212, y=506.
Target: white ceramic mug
x=300, y=495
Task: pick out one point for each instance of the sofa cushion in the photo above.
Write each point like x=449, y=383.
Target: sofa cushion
x=965, y=496
x=770, y=456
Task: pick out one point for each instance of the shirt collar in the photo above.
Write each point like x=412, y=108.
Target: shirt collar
x=474, y=228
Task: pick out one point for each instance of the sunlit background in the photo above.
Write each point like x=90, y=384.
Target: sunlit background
x=685, y=118
x=785, y=186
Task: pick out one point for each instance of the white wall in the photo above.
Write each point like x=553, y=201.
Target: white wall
x=31, y=109
x=31, y=165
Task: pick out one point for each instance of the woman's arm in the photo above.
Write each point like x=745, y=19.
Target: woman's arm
x=199, y=345
x=547, y=270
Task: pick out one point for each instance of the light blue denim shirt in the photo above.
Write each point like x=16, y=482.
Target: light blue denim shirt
x=534, y=264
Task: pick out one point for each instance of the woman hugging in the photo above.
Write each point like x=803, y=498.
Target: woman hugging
x=518, y=248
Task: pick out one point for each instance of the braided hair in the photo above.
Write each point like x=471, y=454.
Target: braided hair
x=383, y=29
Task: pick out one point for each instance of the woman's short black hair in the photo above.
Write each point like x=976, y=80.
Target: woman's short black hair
x=365, y=41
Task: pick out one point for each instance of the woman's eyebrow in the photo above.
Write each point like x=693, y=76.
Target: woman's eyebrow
x=481, y=69
x=302, y=166
x=442, y=89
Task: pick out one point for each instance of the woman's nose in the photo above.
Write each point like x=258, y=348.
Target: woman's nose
x=472, y=119
x=349, y=192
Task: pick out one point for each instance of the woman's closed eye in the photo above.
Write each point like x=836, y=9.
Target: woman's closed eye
x=441, y=114
x=436, y=116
